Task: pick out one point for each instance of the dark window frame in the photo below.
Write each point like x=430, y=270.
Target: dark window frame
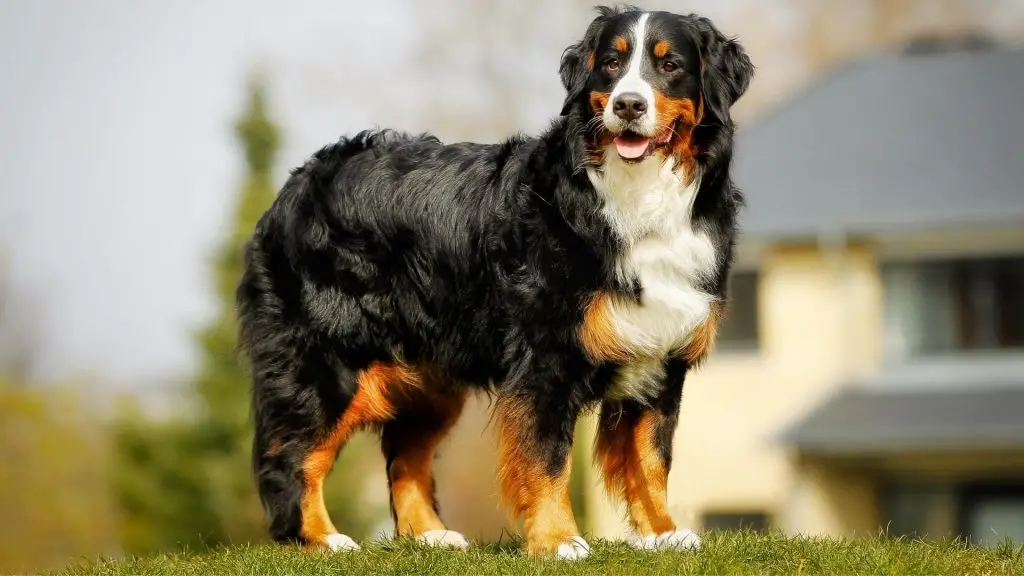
x=970, y=495
x=982, y=297
x=740, y=330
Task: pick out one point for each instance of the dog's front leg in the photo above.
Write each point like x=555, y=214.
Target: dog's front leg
x=634, y=449
x=535, y=447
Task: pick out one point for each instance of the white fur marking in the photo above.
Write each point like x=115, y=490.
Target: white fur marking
x=340, y=543
x=444, y=539
x=632, y=82
x=681, y=539
x=575, y=549
x=638, y=380
x=650, y=208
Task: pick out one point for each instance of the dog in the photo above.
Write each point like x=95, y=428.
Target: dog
x=583, y=268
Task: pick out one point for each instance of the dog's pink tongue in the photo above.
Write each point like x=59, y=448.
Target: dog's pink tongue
x=631, y=147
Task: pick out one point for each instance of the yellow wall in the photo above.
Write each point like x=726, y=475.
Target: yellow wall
x=820, y=316
x=831, y=500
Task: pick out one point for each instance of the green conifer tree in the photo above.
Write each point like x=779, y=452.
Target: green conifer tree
x=222, y=384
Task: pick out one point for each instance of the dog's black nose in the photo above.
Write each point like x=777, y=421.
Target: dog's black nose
x=629, y=106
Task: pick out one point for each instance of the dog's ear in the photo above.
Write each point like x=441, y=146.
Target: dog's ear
x=578, y=60
x=726, y=70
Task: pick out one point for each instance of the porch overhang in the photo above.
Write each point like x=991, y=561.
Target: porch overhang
x=875, y=421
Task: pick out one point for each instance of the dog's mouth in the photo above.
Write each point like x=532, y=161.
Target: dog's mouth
x=634, y=147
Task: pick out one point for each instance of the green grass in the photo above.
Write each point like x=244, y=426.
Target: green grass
x=723, y=553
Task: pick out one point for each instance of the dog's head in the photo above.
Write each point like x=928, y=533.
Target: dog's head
x=645, y=79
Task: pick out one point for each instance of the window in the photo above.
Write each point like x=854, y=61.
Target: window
x=983, y=512
x=738, y=331
x=751, y=520
x=991, y=512
x=954, y=305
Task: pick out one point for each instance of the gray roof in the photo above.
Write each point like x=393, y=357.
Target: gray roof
x=865, y=421
x=888, y=143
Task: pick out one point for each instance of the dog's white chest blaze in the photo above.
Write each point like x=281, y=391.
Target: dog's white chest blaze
x=650, y=208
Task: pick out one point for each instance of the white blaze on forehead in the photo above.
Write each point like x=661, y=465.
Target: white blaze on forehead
x=632, y=82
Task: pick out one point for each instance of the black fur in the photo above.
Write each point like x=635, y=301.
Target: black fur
x=476, y=259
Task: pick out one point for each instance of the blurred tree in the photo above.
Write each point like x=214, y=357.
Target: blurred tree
x=188, y=481
x=54, y=490
x=222, y=384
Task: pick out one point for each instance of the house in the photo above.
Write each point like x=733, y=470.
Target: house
x=871, y=372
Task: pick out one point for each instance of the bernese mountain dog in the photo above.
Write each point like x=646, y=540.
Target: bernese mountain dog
x=583, y=268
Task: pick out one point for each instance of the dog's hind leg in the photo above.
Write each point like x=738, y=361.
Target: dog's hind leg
x=297, y=444
x=409, y=443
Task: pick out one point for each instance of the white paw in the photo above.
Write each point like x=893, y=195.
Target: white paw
x=575, y=549
x=681, y=539
x=443, y=538
x=645, y=542
x=340, y=543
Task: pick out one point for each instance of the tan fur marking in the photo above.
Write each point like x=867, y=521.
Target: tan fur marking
x=372, y=404
x=702, y=340
x=621, y=44
x=633, y=470
x=598, y=100
x=597, y=332
x=316, y=522
x=527, y=490
x=681, y=146
x=661, y=48
x=591, y=59
x=274, y=448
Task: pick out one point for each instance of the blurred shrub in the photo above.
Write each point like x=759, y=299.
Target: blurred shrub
x=54, y=499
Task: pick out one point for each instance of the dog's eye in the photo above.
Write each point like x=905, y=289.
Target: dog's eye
x=612, y=65
x=669, y=66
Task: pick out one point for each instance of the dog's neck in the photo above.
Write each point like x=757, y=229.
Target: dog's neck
x=654, y=196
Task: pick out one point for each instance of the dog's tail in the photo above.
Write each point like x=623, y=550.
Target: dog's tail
x=268, y=344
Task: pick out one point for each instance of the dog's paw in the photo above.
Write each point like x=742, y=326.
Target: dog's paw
x=681, y=539
x=340, y=543
x=645, y=542
x=575, y=549
x=443, y=539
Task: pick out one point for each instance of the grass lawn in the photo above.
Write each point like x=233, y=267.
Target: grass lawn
x=723, y=553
